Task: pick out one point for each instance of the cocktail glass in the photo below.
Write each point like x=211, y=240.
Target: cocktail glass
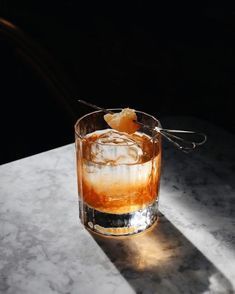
x=118, y=175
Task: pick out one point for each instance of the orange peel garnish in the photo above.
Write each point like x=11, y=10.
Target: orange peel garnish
x=124, y=121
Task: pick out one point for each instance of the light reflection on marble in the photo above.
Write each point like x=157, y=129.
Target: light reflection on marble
x=44, y=248
x=164, y=261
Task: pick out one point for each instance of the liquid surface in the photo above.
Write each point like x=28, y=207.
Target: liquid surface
x=118, y=173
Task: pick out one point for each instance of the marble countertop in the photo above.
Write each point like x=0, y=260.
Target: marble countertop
x=45, y=249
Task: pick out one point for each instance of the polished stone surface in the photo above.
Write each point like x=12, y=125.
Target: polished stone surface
x=45, y=249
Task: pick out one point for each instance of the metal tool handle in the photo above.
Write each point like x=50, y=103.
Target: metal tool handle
x=181, y=143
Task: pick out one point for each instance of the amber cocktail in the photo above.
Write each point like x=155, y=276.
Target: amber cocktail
x=118, y=175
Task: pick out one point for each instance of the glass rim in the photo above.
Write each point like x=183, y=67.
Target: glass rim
x=116, y=109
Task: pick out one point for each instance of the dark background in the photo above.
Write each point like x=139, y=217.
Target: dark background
x=169, y=59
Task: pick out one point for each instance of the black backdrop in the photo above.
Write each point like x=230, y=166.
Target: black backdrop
x=167, y=59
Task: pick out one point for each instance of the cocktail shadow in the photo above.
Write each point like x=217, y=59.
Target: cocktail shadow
x=162, y=260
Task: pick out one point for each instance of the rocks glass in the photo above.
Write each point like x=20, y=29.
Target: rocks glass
x=118, y=175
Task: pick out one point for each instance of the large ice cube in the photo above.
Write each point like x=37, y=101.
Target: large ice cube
x=115, y=148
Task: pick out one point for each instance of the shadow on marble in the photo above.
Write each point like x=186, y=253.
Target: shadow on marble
x=200, y=185
x=207, y=174
x=162, y=260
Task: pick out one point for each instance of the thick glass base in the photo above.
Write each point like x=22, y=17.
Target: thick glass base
x=118, y=224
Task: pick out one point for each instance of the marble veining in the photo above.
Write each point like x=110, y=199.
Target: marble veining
x=45, y=249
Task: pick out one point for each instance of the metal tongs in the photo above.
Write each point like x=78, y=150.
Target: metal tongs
x=179, y=142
